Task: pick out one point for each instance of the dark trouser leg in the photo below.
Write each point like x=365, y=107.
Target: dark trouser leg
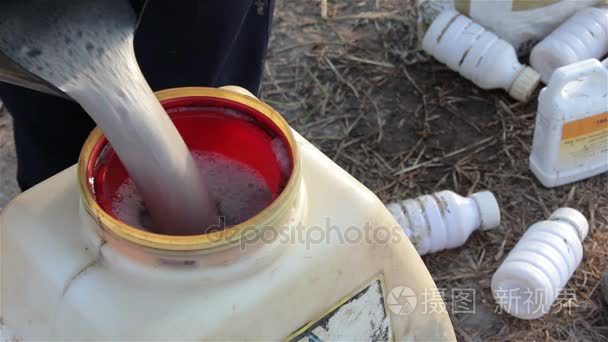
x=49, y=132
x=184, y=43
x=204, y=43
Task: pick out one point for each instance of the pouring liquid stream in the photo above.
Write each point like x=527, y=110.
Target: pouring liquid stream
x=86, y=50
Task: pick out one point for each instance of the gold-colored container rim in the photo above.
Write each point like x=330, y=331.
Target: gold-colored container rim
x=212, y=240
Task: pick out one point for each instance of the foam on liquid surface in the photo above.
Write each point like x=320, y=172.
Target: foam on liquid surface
x=239, y=191
x=280, y=152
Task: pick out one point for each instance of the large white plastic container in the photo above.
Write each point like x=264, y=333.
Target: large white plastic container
x=571, y=133
x=582, y=36
x=529, y=280
x=445, y=219
x=311, y=265
x=479, y=55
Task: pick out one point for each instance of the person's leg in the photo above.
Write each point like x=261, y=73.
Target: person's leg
x=244, y=64
x=204, y=43
x=49, y=132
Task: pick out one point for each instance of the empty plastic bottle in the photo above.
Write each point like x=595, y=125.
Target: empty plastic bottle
x=445, y=219
x=571, y=133
x=583, y=36
x=529, y=280
x=479, y=55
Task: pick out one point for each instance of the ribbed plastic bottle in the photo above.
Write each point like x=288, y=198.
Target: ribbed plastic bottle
x=529, y=280
x=445, y=219
x=583, y=36
x=479, y=55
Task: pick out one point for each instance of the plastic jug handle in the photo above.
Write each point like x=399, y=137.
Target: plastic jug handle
x=588, y=70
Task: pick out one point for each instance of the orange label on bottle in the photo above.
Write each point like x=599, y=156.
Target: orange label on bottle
x=583, y=139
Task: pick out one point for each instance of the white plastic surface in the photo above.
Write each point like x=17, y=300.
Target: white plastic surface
x=60, y=281
x=529, y=280
x=582, y=36
x=522, y=23
x=489, y=212
x=478, y=55
x=445, y=220
x=576, y=96
x=575, y=218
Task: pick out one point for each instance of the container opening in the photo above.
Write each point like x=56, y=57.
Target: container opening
x=243, y=155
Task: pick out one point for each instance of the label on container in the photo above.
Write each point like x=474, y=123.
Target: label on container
x=527, y=5
x=360, y=316
x=584, y=139
x=464, y=6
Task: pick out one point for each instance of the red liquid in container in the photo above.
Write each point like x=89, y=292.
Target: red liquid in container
x=209, y=126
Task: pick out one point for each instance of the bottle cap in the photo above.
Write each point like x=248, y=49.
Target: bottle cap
x=575, y=218
x=489, y=212
x=524, y=85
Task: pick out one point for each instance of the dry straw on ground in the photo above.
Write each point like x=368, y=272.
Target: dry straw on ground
x=357, y=86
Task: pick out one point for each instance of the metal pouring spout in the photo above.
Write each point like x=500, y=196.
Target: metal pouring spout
x=12, y=70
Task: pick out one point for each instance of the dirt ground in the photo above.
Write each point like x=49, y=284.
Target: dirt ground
x=357, y=87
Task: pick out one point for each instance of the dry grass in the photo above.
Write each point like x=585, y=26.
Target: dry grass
x=356, y=86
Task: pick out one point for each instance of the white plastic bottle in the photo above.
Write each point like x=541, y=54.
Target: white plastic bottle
x=479, y=55
x=571, y=133
x=445, y=219
x=529, y=280
x=583, y=36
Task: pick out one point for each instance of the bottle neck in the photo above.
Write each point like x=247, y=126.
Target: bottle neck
x=569, y=224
